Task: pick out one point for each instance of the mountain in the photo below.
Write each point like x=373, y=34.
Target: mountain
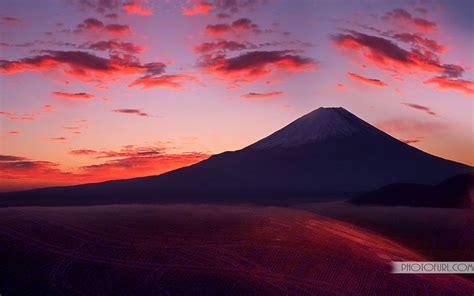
x=455, y=192
x=327, y=153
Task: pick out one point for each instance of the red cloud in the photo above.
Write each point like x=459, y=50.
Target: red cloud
x=165, y=81
x=262, y=96
x=83, y=152
x=135, y=8
x=222, y=45
x=31, y=173
x=48, y=108
x=114, y=45
x=417, y=40
x=199, y=8
x=410, y=141
x=129, y=162
x=387, y=55
x=14, y=116
x=92, y=24
x=340, y=86
x=363, y=79
x=404, y=16
x=71, y=128
x=58, y=139
x=243, y=24
x=254, y=65
x=461, y=85
x=13, y=133
x=217, y=30
x=117, y=29
x=141, y=165
x=9, y=20
x=72, y=96
x=131, y=111
x=126, y=151
x=420, y=107
x=81, y=65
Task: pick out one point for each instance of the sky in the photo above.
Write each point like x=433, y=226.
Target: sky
x=94, y=90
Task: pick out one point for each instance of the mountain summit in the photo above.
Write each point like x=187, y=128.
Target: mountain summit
x=328, y=152
x=316, y=126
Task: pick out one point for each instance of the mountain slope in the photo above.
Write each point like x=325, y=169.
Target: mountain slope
x=324, y=153
x=455, y=192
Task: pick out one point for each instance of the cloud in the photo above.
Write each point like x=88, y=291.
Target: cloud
x=254, y=65
x=137, y=166
x=363, y=79
x=114, y=46
x=417, y=40
x=83, y=152
x=6, y=20
x=461, y=85
x=60, y=139
x=240, y=25
x=126, y=151
x=15, y=116
x=221, y=46
x=243, y=24
x=410, y=141
x=401, y=15
x=12, y=133
x=223, y=15
x=234, y=6
x=111, y=15
x=133, y=161
x=72, y=96
x=80, y=65
x=420, y=107
x=340, y=87
x=22, y=168
x=117, y=29
x=95, y=25
x=387, y=55
x=131, y=111
x=135, y=8
x=175, y=82
x=100, y=6
x=48, y=108
x=262, y=96
x=407, y=128
x=201, y=7
x=218, y=29
x=11, y=158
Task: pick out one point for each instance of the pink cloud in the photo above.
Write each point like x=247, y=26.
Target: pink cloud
x=201, y=7
x=371, y=81
x=262, y=96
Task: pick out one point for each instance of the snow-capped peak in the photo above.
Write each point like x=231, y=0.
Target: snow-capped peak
x=318, y=125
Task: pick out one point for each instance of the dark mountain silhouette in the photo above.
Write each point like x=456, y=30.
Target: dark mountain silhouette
x=328, y=152
x=455, y=192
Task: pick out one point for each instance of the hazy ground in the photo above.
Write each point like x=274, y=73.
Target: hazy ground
x=150, y=250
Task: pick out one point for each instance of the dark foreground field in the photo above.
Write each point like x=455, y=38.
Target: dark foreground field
x=439, y=234
x=153, y=250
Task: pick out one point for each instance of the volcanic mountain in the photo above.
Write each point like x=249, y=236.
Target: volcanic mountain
x=328, y=152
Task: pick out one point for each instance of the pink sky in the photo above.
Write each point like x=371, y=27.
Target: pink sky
x=93, y=90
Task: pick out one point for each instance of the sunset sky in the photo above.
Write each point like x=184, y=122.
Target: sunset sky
x=92, y=90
